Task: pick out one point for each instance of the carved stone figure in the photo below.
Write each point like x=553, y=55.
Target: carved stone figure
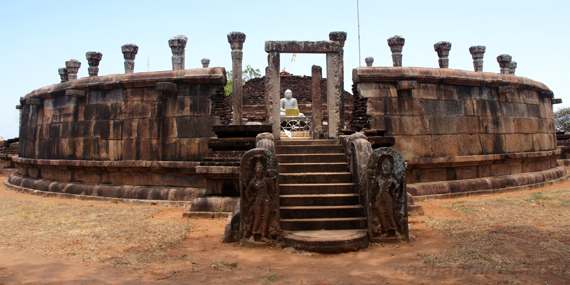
x=288, y=103
x=387, y=196
x=259, y=191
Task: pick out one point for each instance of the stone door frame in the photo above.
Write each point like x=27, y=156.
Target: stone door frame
x=333, y=51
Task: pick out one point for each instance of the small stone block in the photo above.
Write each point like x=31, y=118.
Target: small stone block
x=19, y=107
x=506, y=90
x=557, y=101
x=547, y=94
x=167, y=87
x=75, y=93
x=406, y=85
x=33, y=102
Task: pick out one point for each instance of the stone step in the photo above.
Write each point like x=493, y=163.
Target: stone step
x=319, y=200
x=307, y=158
x=330, y=188
x=323, y=224
x=308, y=149
x=313, y=167
x=315, y=177
x=307, y=142
x=312, y=212
x=331, y=241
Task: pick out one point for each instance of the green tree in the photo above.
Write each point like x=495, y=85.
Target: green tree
x=248, y=73
x=562, y=119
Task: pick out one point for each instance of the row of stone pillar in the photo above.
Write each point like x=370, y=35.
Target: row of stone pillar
x=396, y=44
x=177, y=45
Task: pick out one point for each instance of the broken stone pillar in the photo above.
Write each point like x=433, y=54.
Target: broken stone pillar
x=369, y=61
x=205, y=62
x=129, y=53
x=63, y=74
x=316, y=73
x=178, y=45
x=93, y=58
x=72, y=66
x=236, y=40
x=513, y=67
x=272, y=90
x=340, y=37
x=265, y=141
x=477, y=53
x=442, y=49
x=504, y=61
x=396, y=44
x=333, y=93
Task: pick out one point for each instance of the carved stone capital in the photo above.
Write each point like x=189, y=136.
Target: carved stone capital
x=513, y=67
x=396, y=44
x=477, y=53
x=93, y=58
x=205, y=62
x=72, y=66
x=63, y=74
x=236, y=40
x=178, y=45
x=442, y=49
x=504, y=61
x=369, y=61
x=338, y=36
x=129, y=53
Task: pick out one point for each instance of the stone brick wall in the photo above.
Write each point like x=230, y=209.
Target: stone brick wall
x=454, y=124
x=123, y=117
x=254, y=96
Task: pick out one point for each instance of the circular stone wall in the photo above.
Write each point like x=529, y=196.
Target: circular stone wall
x=132, y=136
x=461, y=130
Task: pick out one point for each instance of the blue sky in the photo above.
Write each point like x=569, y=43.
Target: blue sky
x=39, y=36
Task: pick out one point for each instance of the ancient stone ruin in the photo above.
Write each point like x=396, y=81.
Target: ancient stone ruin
x=173, y=137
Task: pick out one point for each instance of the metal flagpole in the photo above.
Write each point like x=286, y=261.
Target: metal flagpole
x=358, y=19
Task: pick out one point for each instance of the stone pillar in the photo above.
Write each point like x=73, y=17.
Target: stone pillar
x=442, y=49
x=396, y=44
x=333, y=92
x=272, y=92
x=477, y=53
x=316, y=73
x=178, y=45
x=504, y=61
x=265, y=141
x=129, y=53
x=93, y=58
x=340, y=37
x=63, y=74
x=72, y=66
x=236, y=40
x=205, y=62
x=513, y=67
x=369, y=61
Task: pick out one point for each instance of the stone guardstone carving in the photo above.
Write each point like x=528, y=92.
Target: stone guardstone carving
x=259, y=192
x=387, y=196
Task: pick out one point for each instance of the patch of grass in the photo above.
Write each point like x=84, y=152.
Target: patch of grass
x=426, y=258
x=468, y=210
x=540, y=196
x=271, y=276
x=220, y=265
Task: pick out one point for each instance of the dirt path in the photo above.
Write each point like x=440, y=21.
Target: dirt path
x=201, y=259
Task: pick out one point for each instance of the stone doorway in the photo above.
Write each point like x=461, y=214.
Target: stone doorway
x=335, y=78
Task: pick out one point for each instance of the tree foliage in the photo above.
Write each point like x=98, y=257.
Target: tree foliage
x=248, y=73
x=562, y=120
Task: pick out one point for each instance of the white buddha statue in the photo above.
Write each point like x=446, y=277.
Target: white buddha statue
x=288, y=103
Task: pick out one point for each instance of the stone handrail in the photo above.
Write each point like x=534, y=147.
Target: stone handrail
x=358, y=149
x=446, y=76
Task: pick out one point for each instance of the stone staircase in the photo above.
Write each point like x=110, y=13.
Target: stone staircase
x=320, y=210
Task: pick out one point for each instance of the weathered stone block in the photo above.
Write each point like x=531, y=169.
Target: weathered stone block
x=467, y=125
x=518, y=142
x=137, y=110
x=443, y=108
x=375, y=90
x=488, y=108
x=148, y=128
x=142, y=94
x=130, y=129
x=443, y=125
x=444, y=145
x=469, y=144
x=408, y=125
x=407, y=145
x=106, y=96
x=492, y=143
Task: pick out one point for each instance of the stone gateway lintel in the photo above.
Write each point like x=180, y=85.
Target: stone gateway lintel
x=302, y=46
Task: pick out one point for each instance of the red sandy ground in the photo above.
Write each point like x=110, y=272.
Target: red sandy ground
x=384, y=264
